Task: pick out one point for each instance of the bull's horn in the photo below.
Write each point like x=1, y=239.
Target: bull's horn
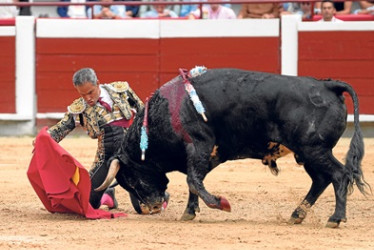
x=112, y=172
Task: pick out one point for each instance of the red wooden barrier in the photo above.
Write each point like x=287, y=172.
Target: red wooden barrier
x=7, y=21
x=342, y=55
x=132, y=60
x=7, y=74
x=146, y=62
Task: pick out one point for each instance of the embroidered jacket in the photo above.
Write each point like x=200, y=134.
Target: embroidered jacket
x=95, y=117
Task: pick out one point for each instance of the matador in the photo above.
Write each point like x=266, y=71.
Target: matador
x=105, y=111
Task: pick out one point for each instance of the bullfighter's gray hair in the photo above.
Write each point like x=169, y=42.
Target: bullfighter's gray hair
x=84, y=75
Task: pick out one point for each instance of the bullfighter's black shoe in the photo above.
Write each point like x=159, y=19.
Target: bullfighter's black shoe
x=109, y=199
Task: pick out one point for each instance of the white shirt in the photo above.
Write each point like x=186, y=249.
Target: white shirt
x=221, y=13
x=77, y=11
x=105, y=96
x=334, y=20
x=8, y=11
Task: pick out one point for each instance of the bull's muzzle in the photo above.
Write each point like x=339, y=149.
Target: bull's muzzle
x=155, y=208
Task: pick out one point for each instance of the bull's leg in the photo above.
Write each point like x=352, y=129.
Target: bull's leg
x=319, y=184
x=324, y=171
x=193, y=199
x=198, y=165
x=340, y=183
x=192, y=207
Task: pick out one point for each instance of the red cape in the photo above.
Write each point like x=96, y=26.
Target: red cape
x=61, y=182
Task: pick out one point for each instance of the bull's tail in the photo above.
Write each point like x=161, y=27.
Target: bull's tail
x=356, y=147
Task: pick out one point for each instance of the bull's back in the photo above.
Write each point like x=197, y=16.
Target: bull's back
x=251, y=95
x=256, y=107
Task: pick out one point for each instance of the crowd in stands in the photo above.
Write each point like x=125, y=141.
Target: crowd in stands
x=13, y=11
x=108, y=10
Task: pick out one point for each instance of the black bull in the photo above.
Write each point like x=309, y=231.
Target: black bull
x=250, y=115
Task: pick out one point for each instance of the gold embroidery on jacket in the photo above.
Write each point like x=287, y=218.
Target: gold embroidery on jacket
x=120, y=98
x=62, y=128
x=119, y=87
x=95, y=117
x=100, y=155
x=77, y=107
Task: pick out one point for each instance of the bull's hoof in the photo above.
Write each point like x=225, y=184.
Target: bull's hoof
x=186, y=216
x=335, y=223
x=221, y=204
x=332, y=224
x=225, y=205
x=293, y=220
x=300, y=213
x=297, y=216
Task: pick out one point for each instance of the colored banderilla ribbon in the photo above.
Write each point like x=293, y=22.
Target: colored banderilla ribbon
x=143, y=135
x=193, y=95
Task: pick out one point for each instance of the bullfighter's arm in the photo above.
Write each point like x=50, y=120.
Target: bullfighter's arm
x=62, y=128
x=67, y=124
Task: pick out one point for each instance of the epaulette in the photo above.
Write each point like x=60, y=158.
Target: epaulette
x=77, y=107
x=119, y=87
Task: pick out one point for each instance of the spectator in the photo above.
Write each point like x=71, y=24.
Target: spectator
x=131, y=10
x=213, y=11
x=8, y=11
x=260, y=10
x=286, y=8
x=340, y=7
x=62, y=11
x=73, y=11
x=366, y=7
x=159, y=11
x=328, y=11
x=303, y=9
x=107, y=11
x=187, y=9
x=24, y=10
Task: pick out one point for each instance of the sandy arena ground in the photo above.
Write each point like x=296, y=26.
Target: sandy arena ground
x=261, y=206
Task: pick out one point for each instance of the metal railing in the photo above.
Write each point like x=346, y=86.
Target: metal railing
x=147, y=3
x=170, y=2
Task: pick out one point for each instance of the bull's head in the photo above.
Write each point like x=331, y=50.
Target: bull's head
x=145, y=183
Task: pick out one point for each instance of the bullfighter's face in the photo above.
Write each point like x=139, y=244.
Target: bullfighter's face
x=89, y=92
